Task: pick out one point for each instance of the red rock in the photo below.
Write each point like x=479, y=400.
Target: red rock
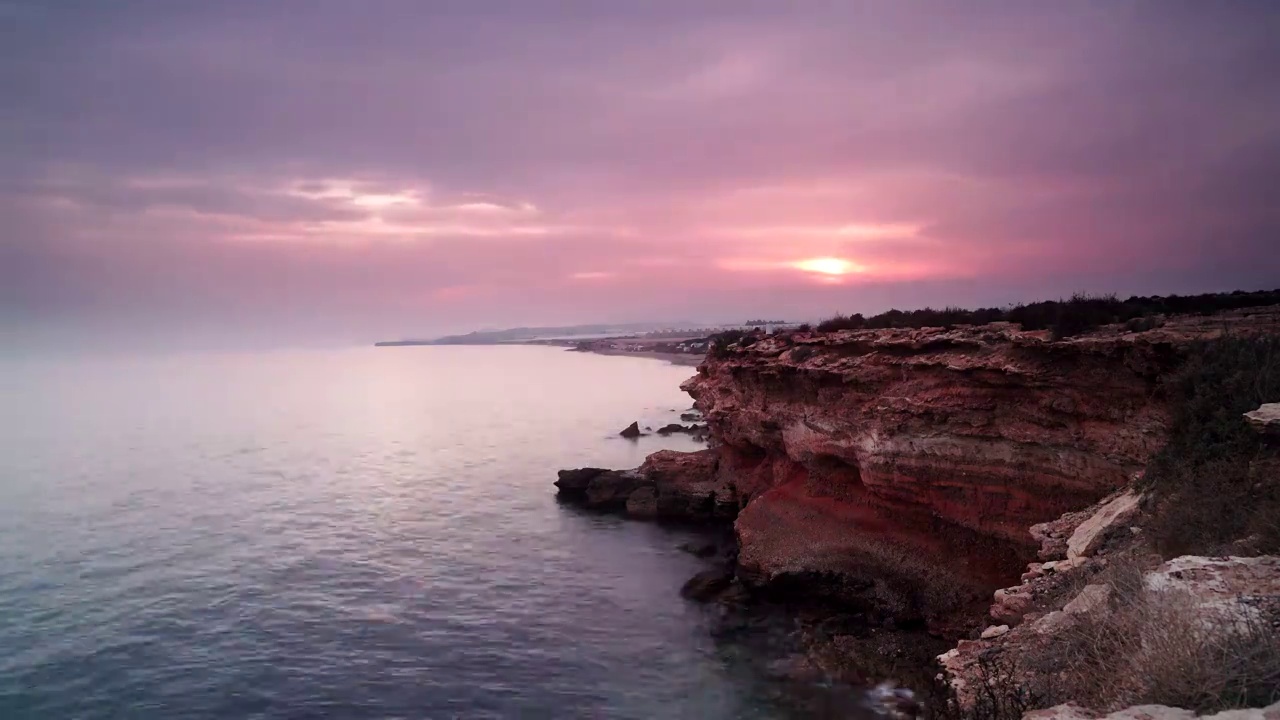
x=940, y=448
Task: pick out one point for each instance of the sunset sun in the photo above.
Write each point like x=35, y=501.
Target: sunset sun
x=826, y=266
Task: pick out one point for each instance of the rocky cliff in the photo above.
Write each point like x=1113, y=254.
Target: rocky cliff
x=903, y=468
x=925, y=455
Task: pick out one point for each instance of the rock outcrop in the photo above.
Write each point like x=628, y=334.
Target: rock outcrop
x=922, y=476
x=930, y=453
x=1265, y=420
x=1186, y=602
x=669, y=484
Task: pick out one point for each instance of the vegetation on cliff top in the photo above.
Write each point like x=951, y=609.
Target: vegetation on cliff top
x=1066, y=318
x=1080, y=314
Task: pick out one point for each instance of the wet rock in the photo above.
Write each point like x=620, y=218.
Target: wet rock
x=707, y=584
x=643, y=503
x=611, y=490
x=631, y=431
x=677, y=485
x=691, y=416
x=573, y=483
x=673, y=428
x=700, y=549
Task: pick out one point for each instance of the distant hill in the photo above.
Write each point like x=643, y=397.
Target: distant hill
x=526, y=334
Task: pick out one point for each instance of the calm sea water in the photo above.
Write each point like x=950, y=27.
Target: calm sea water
x=368, y=533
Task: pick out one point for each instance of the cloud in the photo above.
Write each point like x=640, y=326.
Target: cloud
x=240, y=159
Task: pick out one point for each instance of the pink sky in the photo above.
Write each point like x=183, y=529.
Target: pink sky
x=336, y=171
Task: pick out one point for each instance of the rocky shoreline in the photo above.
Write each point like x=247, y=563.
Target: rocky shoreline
x=888, y=485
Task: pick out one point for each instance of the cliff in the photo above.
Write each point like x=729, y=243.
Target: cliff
x=902, y=469
x=924, y=456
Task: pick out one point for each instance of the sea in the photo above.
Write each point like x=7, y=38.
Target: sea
x=354, y=533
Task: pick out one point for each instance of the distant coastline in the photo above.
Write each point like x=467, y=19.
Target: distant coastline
x=689, y=359
x=679, y=343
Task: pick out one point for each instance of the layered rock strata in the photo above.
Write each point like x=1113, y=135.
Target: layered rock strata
x=905, y=467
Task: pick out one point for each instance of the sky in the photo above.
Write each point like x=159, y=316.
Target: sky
x=181, y=173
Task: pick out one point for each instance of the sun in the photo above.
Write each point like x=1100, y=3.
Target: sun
x=826, y=266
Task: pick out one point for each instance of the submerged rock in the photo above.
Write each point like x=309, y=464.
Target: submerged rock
x=631, y=431
x=702, y=550
x=708, y=584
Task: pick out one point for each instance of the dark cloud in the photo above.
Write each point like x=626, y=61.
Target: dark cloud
x=193, y=157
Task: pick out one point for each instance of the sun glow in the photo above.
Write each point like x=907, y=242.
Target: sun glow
x=826, y=266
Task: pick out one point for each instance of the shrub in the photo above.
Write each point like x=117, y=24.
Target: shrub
x=1162, y=648
x=1203, y=479
x=719, y=343
x=842, y=322
x=1067, y=318
x=1083, y=313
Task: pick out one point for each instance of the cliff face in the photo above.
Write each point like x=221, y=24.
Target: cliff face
x=926, y=455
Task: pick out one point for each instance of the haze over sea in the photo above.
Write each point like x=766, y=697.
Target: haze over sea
x=363, y=533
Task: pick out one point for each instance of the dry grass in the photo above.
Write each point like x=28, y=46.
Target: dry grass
x=1160, y=649
x=1165, y=649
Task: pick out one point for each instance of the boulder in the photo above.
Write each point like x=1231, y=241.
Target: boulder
x=1011, y=604
x=1091, y=599
x=1052, y=535
x=1091, y=533
x=631, y=431
x=691, y=416
x=1266, y=419
x=994, y=631
x=1223, y=583
x=673, y=428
